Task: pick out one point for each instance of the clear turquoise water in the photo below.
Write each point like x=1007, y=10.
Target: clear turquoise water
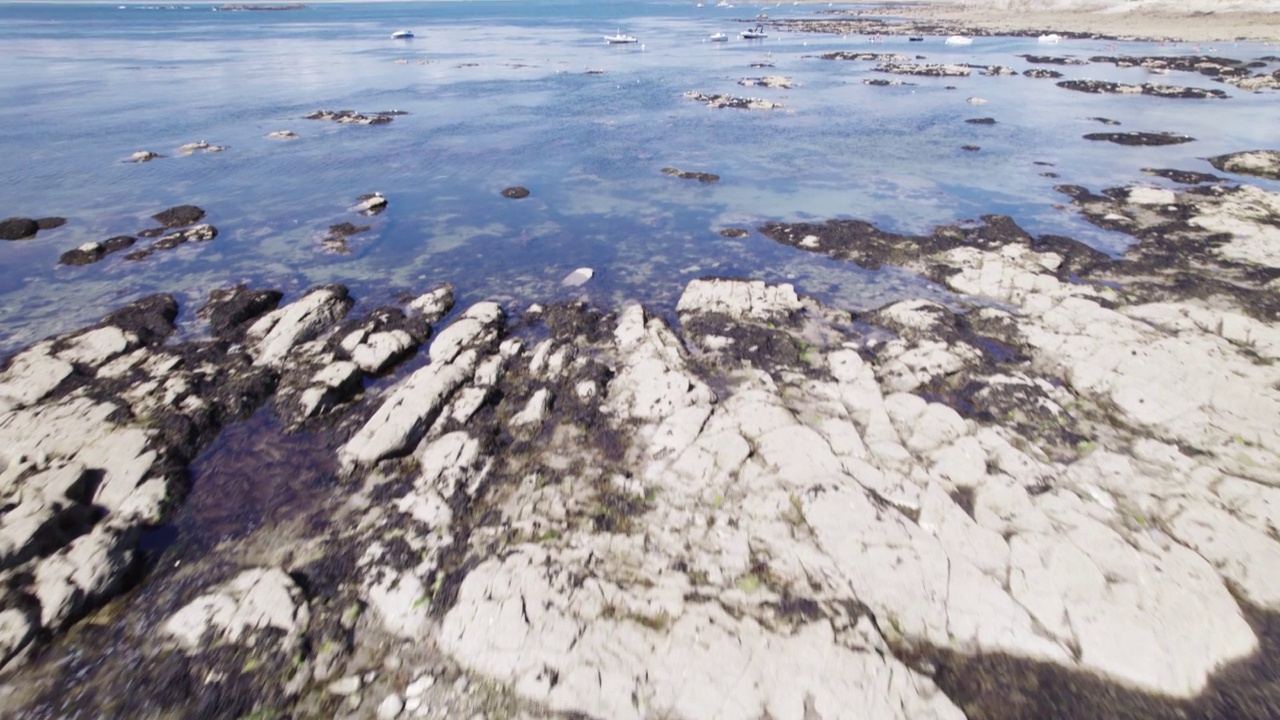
x=497, y=96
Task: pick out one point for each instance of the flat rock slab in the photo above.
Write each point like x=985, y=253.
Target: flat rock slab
x=1259, y=163
x=1141, y=138
x=729, y=101
x=704, y=177
x=1168, y=91
x=1185, y=177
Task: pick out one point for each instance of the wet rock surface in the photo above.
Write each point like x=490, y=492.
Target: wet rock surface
x=351, y=117
x=1141, y=138
x=1185, y=177
x=703, y=177
x=18, y=228
x=515, y=193
x=195, y=233
x=1168, y=91
x=1259, y=163
x=1041, y=74
x=179, y=216
x=336, y=237
x=866, y=56
x=1052, y=60
x=579, y=511
x=768, y=81
x=91, y=252
x=729, y=101
x=932, y=70
x=1218, y=67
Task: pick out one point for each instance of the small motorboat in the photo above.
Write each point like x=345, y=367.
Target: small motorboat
x=1050, y=39
x=915, y=38
x=754, y=33
x=402, y=35
x=619, y=39
x=959, y=40
x=719, y=37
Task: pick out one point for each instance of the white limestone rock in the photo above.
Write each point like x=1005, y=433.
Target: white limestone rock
x=738, y=299
x=256, y=599
x=479, y=325
x=433, y=305
x=273, y=336
x=32, y=374
x=381, y=349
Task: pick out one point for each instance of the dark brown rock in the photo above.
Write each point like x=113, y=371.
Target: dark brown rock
x=179, y=216
x=150, y=318
x=691, y=175
x=1141, y=138
x=515, y=192
x=230, y=310
x=18, y=228
x=1186, y=177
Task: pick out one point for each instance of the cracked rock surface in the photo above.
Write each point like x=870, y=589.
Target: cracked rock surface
x=1060, y=484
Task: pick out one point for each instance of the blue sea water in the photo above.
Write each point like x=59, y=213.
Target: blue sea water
x=497, y=94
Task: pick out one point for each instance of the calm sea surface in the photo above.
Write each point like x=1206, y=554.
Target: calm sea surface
x=497, y=94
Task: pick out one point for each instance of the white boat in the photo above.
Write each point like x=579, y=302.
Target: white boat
x=401, y=35
x=723, y=3
x=619, y=39
x=959, y=40
x=754, y=33
x=1050, y=39
x=719, y=37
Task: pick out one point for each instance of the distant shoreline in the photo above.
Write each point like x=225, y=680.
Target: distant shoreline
x=1186, y=21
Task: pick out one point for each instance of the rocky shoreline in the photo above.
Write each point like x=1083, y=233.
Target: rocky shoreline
x=1055, y=498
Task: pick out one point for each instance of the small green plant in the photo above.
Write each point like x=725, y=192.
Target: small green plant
x=749, y=582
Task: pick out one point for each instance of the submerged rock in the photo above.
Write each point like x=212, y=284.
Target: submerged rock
x=371, y=204
x=515, y=192
x=1259, y=163
x=1046, y=59
x=336, y=238
x=578, y=277
x=769, y=81
x=144, y=156
x=200, y=146
x=282, y=135
x=1185, y=177
x=196, y=233
x=1041, y=73
x=981, y=121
